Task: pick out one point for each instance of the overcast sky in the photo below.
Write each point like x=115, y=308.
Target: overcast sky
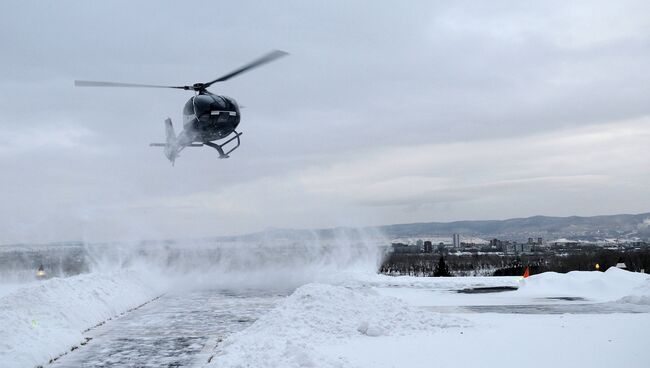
x=385, y=112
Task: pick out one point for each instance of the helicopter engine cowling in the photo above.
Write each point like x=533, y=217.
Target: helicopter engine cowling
x=210, y=117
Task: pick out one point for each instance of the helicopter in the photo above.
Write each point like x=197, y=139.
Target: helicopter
x=207, y=117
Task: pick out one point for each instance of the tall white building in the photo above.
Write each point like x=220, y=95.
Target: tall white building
x=456, y=240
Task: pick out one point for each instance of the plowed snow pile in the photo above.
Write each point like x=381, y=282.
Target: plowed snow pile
x=317, y=314
x=613, y=284
x=42, y=321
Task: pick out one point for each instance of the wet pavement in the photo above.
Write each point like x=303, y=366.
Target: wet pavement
x=487, y=289
x=177, y=330
x=546, y=308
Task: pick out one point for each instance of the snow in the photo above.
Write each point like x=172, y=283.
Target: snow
x=317, y=315
x=614, y=285
x=177, y=330
x=506, y=340
x=356, y=319
x=610, y=285
x=379, y=321
x=43, y=320
x=450, y=283
x=8, y=288
x=443, y=291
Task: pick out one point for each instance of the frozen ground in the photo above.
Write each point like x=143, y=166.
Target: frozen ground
x=42, y=320
x=39, y=321
x=8, y=288
x=177, y=330
x=346, y=319
x=319, y=315
x=376, y=321
x=506, y=340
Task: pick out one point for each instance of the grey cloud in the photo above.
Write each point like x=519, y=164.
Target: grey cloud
x=363, y=77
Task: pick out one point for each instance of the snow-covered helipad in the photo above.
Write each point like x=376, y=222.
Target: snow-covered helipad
x=592, y=319
x=176, y=330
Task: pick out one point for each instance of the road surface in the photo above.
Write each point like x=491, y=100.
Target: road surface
x=177, y=330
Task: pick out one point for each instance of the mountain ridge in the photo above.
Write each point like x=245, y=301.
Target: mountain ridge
x=625, y=226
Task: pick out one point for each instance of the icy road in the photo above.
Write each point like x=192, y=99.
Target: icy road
x=177, y=330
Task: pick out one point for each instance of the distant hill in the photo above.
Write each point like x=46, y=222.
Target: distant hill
x=550, y=228
x=623, y=227
x=573, y=227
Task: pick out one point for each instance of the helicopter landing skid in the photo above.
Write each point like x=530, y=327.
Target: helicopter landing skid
x=220, y=147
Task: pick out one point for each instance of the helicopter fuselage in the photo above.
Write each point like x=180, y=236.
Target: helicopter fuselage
x=209, y=117
x=206, y=117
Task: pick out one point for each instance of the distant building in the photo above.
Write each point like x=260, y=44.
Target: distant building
x=530, y=241
x=456, y=239
x=565, y=242
x=540, y=241
x=502, y=245
x=404, y=248
x=428, y=247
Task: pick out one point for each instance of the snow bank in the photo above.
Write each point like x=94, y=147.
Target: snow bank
x=636, y=299
x=8, y=288
x=613, y=284
x=317, y=314
x=638, y=295
x=449, y=283
x=42, y=321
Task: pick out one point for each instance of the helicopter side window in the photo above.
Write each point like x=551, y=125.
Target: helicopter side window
x=202, y=104
x=222, y=102
x=188, y=109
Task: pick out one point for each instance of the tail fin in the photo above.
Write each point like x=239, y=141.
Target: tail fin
x=171, y=144
x=170, y=134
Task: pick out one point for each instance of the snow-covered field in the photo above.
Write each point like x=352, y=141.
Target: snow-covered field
x=507, y=340
x=9, y=288
x=376, y=321
x=43, y=319
x=335, y=317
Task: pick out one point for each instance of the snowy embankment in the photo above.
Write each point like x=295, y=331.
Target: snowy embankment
x=9, y=288
x=316, y=315
x=612, y=285
x=40, y=322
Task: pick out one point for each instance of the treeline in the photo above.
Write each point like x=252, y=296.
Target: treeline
x=426, y=264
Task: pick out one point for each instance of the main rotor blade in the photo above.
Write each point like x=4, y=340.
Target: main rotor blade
x=83, y=83
x=275, y=54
